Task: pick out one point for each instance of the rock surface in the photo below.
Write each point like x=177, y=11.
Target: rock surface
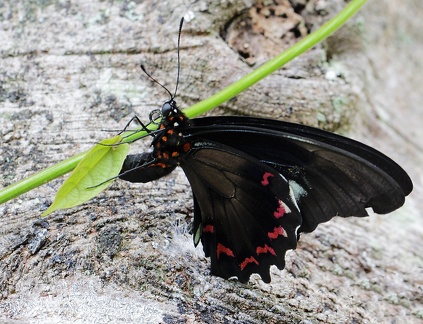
x=69, y=74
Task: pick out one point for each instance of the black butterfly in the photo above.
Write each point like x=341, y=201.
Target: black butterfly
x=258, y=183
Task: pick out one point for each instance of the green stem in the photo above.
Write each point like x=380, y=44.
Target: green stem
x=231, y=91
x=40, y=178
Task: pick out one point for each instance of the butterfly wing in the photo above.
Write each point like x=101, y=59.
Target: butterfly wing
x=258, y=182
x=330, y=175
x=244, y=211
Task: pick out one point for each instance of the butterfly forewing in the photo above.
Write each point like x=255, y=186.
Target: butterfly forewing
x=330, y=175
x=245, y=212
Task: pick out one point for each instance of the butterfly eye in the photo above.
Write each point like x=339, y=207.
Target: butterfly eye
x=167, y=108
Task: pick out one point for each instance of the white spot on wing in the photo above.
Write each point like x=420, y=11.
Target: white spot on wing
x=297, y=190
x=285, y=206
x=293, y=196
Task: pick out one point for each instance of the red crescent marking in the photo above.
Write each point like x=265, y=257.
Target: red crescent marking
x=276, y=232
x=280, y=211
x=223, y=249
x=265, y=180
x=208, y=229
x=247, y=261
x=265, y=249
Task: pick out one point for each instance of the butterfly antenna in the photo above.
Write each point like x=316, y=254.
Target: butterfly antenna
x=179, y=65
x=179, y=56
x=154, y=80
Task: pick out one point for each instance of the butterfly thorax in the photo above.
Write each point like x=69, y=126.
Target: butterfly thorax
x=169, y=144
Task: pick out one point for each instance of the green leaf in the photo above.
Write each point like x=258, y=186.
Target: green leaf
x=91, y=175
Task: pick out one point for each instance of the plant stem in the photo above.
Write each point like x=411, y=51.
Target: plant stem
x=40, y=178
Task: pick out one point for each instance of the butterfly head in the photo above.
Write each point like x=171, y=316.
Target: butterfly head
x=172, y=116
x=170, y=108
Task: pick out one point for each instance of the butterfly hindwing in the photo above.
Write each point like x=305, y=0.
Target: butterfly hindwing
x=244, y=211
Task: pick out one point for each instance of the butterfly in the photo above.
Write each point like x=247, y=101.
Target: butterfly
x=258, y=183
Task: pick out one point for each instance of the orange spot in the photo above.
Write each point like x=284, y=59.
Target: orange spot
x=175, y=154
x=265, y=249
x=166, y=156
x=161, y=126
x=247, y=261
x=161, y=165
x=170, y=132
x=164, y=138
x=208, y=229
x=223, y=249
x=186, y=147
x=276, y=232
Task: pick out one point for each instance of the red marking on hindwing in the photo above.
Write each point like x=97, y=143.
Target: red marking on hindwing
x=280, y=211
x=276, y=232
x=208, y=229
x=248, y=261
x=265, y=249
x=223, y=249
x=265, y=180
